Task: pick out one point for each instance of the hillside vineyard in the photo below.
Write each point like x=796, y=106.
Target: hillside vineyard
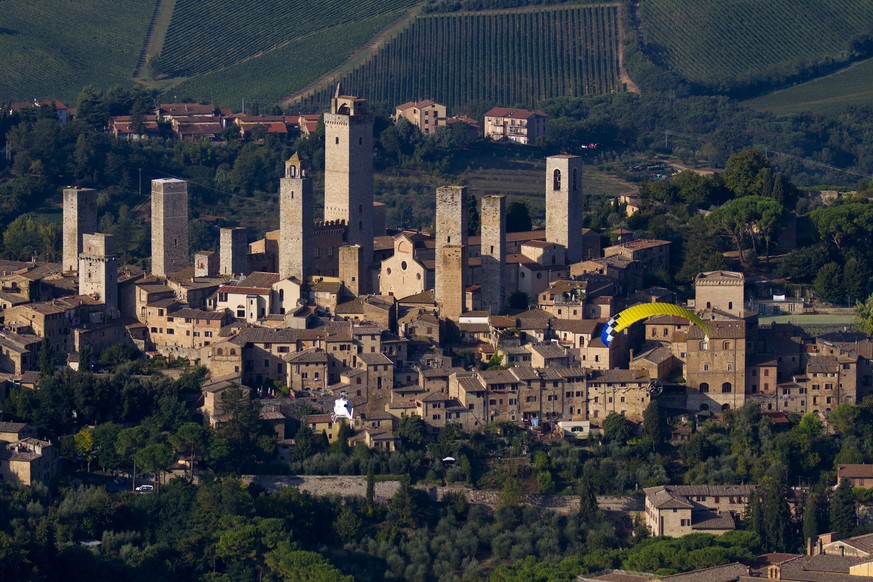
x=509, y=57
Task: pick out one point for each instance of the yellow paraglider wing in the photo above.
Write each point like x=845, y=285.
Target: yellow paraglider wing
x=642, y=311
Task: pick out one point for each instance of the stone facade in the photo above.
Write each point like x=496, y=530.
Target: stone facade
x=295, y=221
x=348, y=171
x=169, y=226
x=233, y=251
x=80, y=217
x=205, y=264
x=451, y=272
x=493, y=253
x=98, y=270
x=451, y=230
x=352, y=268
x=722, y=290
x=564, y=204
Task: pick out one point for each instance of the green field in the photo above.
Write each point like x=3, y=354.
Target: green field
x=510, y=56
x=208, y=35
x=53, y=48
x=724, y=43
x=852, y=86
x=269, y=78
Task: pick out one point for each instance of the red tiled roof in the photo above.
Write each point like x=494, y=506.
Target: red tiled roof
x=514, y=113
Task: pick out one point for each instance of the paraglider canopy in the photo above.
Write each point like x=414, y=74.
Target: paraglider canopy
x=642, y=311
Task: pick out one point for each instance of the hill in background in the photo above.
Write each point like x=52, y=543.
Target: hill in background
x=735, y=45
x=509, y=56
x=53, y=48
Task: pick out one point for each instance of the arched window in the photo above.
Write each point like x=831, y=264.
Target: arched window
x=726, y=345
x=726, y=388
x=575, y=183
x=220, y=352
x=725, y=406
x=704, y=387
x=232, y=351
x=556, y=180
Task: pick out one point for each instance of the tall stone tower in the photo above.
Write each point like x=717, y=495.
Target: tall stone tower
x=451, y=225
x=351, y=269
x=169, y=226
x=233, y=251
x=295, y=221
x=564, y=204
x=80, y=217
x=348, y=171
x=493, y=252
x=98, y=270
x=451, y=247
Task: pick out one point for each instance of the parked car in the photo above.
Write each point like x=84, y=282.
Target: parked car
x=145, y=488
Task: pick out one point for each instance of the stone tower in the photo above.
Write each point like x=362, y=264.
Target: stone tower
x=351, y=268
x=80, y=217
x=233, y=251
x=450, y=227
x=451, y=269
x=564, y=204
x=98, y=270
x=295, y=221
x=493, y=252
x=348, y=170
x=169, y=226
x=451, y=247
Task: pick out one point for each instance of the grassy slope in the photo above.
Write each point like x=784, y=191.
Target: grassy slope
x=271, y=76
x=852, y=86
x=53, y=48
x=719, y=41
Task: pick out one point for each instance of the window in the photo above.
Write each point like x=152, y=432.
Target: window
x=726, y=388
x=556, y=180
x=704, y=387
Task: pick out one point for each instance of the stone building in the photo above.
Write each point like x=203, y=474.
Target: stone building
x=652, y=255
x=295, y=221
x=233, y=252
x=80, y=218
x=716, y=369
x=678, y=510
x=564, y=204
x=493, y=253
x=348, y=174
x=169, y=226
x=206, y=264
x=98, y=271
x=518, y=125
x=28, y=461
x=426, y=115
x=451, y=260
x=722, y=290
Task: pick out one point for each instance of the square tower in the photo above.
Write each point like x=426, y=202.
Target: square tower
x=80, y=217
x=723, y=290
x=348, y=170
x=205, y=264
x=233, y=251
x=564, y=204
x=493, y=252
x=450, y=227
x=295, y=221
x=451, y=269
x=169, y=226
x=98, y=270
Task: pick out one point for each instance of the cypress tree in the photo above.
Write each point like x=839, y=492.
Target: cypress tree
x=844, y=519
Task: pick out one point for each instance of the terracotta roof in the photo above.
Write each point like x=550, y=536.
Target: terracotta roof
x=513, y=113
x=578, y=326
x=855, y=471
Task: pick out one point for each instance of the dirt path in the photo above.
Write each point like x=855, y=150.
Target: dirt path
x=623, y=74
x=358, y=57
x=157, y=33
